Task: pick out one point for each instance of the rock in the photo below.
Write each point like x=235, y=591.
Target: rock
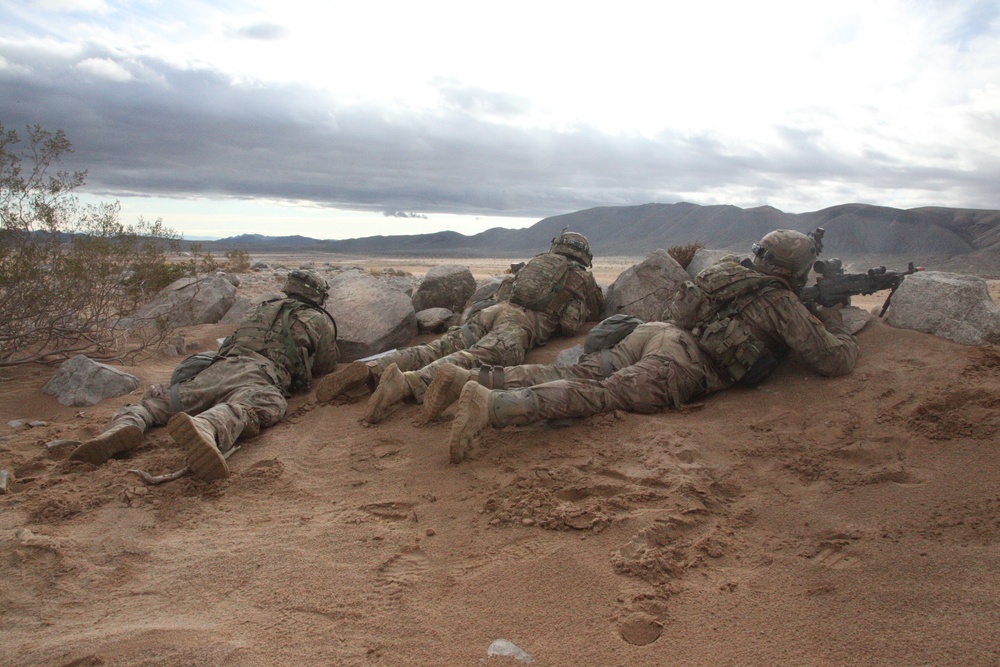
x=83, y=381
x=37, y=423
x=238, y=310
x=405, y=284
x=950, y=305
x=569, y=356
x=17, y=423
x=371, y=316
x=704, y=257
x=855, y=318
x=231, y=277
x=6, y=479
x=58, y=445
x=173, y=346
x=506, y=649
x=446, y=286
x=189, y=301
x=260, y=266
x=644, y=290
x=435, y=320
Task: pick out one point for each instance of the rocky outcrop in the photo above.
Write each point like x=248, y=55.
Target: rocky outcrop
x=83, y=381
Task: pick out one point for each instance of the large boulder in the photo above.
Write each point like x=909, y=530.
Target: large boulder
x=189, y=301
x=645, y=289
x=704, y=257
x=372, y=316
x=83, y=381
x=949, y=305
x=435, y=320
x=446, y=286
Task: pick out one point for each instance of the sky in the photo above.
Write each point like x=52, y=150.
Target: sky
x=349, y=119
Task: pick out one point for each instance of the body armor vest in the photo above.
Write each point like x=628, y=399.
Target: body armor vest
x=268, y=333
x=711, y=307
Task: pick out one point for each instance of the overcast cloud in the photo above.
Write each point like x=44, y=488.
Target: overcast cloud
x=518, y=111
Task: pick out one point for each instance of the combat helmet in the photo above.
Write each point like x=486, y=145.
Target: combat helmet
x=785, y=253
x=573, y=245
x=307, y=285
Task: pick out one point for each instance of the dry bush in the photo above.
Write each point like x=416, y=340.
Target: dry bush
x=684, y=253
x=237, y=261
x=71, y=276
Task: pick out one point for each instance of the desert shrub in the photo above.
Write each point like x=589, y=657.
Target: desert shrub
x=684, y=253
x=71, y=276
x=237, y=261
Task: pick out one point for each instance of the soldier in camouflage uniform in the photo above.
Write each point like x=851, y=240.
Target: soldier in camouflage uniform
x=500, y=334
x=277, y=349
x=740, y=321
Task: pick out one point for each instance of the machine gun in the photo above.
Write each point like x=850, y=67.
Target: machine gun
x=834, y=287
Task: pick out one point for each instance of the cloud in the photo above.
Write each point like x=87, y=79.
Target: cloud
x=105, y=68
x=266, y=32
x=145, y=126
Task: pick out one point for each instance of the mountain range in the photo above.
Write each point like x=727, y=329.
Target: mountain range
x=952, y=236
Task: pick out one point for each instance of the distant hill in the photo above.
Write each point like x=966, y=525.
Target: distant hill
x=957, y=235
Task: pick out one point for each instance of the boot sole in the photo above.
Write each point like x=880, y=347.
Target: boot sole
x=204, y=460
x=468, y=424
x=99, y=450
x=339, y=382
x=441, y=393
x=384, y=400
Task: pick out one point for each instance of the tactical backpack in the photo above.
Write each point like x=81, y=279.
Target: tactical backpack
x=193, y=365
x=267, y=331
x=546, y=284
x=609, y=332
x=709, y=307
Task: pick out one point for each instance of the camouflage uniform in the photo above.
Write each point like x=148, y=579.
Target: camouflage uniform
x=660, y=365
x=499, y=335
x=242, y=390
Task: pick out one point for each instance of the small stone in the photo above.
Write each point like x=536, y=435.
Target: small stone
x=23, y=535
x=17, y=423
x=430, y=532
x=504, y=648
x=527, y=522
x=37, y=423
x=5, y=481
x=54, y=445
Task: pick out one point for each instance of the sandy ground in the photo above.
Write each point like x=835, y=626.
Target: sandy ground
x=851, y=521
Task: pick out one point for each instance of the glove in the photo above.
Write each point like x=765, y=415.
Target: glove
x=831, y=318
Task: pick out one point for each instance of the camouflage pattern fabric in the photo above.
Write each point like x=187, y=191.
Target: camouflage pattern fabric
x=239, y=393
x=499, y=335
x=660, y=365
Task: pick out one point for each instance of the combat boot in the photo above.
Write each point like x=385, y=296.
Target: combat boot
x=197, y=436
x=445, y=389
x=478, y=407
x=393, y=388
x=353, y=376
x=120, y=436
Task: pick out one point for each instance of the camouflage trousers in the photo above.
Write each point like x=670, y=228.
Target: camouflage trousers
x=657, y=366
x=500, y=335
x=237, y=395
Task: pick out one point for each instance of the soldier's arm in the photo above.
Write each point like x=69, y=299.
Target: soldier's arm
x=315, y=332
x=831, y=352
x=595, y=299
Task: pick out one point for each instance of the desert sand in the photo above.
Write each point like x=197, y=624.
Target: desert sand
x=810, y=521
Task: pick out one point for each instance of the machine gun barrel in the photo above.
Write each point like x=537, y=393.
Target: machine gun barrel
x=834, y=287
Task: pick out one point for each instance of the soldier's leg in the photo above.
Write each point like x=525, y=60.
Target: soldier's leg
x=125, y=430
x=479, y=407
x=449, y=379
x=247, y=401
x=357, y=375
